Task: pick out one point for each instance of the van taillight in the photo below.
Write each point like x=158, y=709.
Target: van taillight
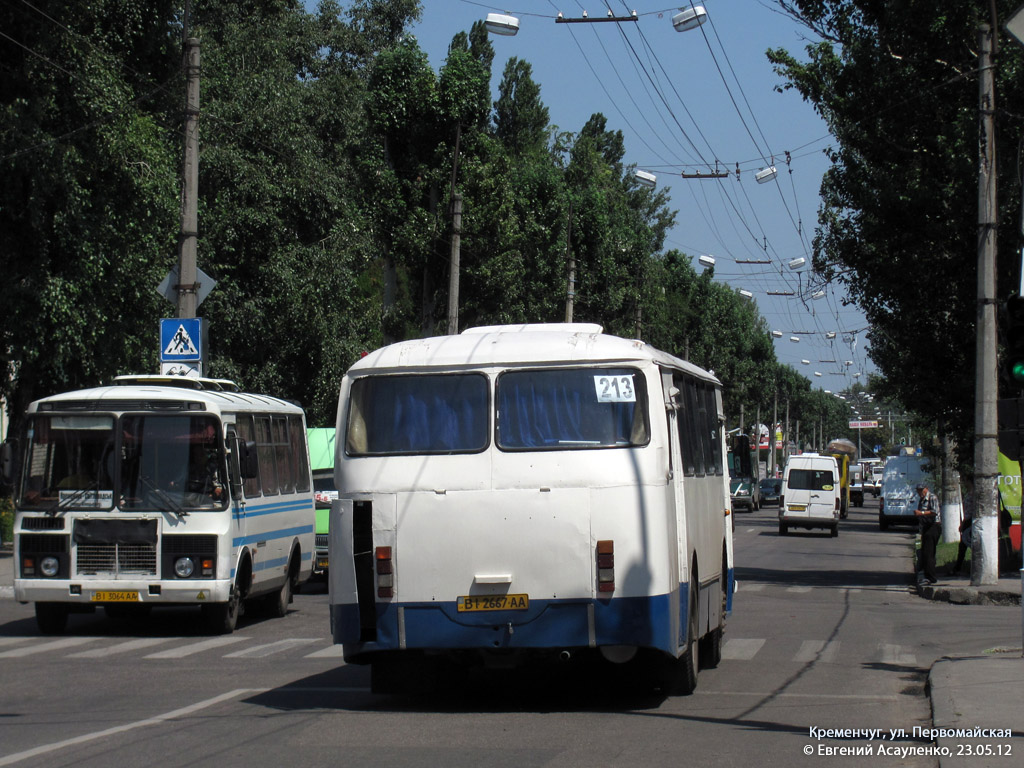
x=385, y=572
x=606, y=566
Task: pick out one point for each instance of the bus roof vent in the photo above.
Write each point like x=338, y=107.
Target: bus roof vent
x=184, y=382
x=538, y=328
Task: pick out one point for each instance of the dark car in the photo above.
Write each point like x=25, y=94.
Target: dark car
x=745, y=494
x=771, y=489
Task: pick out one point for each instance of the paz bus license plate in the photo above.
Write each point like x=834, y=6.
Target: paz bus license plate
x=493, y=603
x=116, y=597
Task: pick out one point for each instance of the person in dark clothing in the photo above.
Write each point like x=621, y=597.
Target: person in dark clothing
x=928, y=517
x=966, y=533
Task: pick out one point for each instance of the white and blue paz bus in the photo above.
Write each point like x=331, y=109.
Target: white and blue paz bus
x=529, y=492
x=161, y=491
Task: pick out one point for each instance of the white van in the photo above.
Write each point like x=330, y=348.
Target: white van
x=810, y=493
x=899, y=494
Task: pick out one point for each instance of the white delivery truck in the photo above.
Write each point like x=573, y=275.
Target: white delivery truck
x=899, y=494
x=810, y=493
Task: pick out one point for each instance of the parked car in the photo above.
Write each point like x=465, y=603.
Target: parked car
x=899, y=497
x=771, y=489
x=745, y=494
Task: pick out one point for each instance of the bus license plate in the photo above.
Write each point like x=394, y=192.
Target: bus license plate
x=469, y=603
x=115, y=597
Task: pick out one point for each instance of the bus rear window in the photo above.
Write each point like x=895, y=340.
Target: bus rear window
x=811, y=479
x=425, y=414
x=561, y=408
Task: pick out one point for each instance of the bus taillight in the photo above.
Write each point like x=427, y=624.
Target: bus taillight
x=606, y=566
x=385, y=572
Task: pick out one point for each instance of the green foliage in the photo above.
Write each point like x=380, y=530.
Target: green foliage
x=330, y=150
x=896, y=84
x=6, y=519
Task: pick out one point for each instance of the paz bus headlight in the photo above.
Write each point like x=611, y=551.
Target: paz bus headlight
x=49, y=566
x=184, y=567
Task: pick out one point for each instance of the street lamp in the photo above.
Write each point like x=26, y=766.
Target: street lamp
x=706, y=260
x=645, y=178
x=689, y=18
x=501, y=24
x=766, y=174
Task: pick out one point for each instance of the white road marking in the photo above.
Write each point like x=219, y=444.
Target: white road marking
x=741, y=649
x=53, y=645
x=330, y=652
x=817, y=650
x=894, y=654
x=43, y=749
x=125, y=647
x=188, y=650
x=259, y=651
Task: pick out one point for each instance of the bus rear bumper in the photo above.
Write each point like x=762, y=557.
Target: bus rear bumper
x=547, y=626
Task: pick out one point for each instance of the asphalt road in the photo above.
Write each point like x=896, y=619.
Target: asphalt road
x=825, y=634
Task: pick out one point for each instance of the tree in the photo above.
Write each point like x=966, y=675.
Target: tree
x=896, y=85
x=521, y=119
x=88, y=208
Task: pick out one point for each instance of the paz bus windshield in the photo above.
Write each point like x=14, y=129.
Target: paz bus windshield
x=135, y=461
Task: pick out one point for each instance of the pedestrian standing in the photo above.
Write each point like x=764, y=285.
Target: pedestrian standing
x=928, y=518
x=966, y=532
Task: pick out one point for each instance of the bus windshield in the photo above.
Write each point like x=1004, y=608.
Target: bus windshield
x=157, y=462
x=555, y=409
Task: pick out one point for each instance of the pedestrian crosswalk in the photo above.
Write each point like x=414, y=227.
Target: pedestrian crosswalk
x=237, y=646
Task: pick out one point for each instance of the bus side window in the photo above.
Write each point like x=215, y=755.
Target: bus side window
x=713, y=433
x=268, y=460
x=282, y=457
x=300, y=454
x=247, y=434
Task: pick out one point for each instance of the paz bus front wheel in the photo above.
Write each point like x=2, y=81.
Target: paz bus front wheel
x=222, y=618
x=51, y=618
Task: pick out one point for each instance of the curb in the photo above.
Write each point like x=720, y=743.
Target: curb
x=968, y=595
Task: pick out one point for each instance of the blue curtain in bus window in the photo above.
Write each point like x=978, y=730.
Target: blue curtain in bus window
x=570, y=408
x=424, y=414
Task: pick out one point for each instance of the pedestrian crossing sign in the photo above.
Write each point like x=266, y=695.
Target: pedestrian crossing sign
x=181, y=340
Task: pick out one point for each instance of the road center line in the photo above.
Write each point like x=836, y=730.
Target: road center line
x=174, y=714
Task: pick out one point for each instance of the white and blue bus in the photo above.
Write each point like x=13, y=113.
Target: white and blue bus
x=161, y=491
x=517, y=493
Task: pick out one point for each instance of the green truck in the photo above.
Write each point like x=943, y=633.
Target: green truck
x=321, y=462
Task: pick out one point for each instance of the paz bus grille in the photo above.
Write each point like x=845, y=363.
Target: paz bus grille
x=139, y=558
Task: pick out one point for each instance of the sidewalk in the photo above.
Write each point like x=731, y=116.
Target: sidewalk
x=978, y=692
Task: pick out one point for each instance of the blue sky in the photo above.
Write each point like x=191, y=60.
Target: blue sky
x=691, y=102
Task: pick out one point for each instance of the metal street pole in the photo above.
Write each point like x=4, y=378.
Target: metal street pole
x=985, y=538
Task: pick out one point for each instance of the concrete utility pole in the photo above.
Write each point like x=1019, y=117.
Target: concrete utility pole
x=187, y=285
x=985, y=538
x=771, y=436
x=453, y=275
x=570, y=288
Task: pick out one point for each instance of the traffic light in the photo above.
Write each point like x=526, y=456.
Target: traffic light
x=1015, y=338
